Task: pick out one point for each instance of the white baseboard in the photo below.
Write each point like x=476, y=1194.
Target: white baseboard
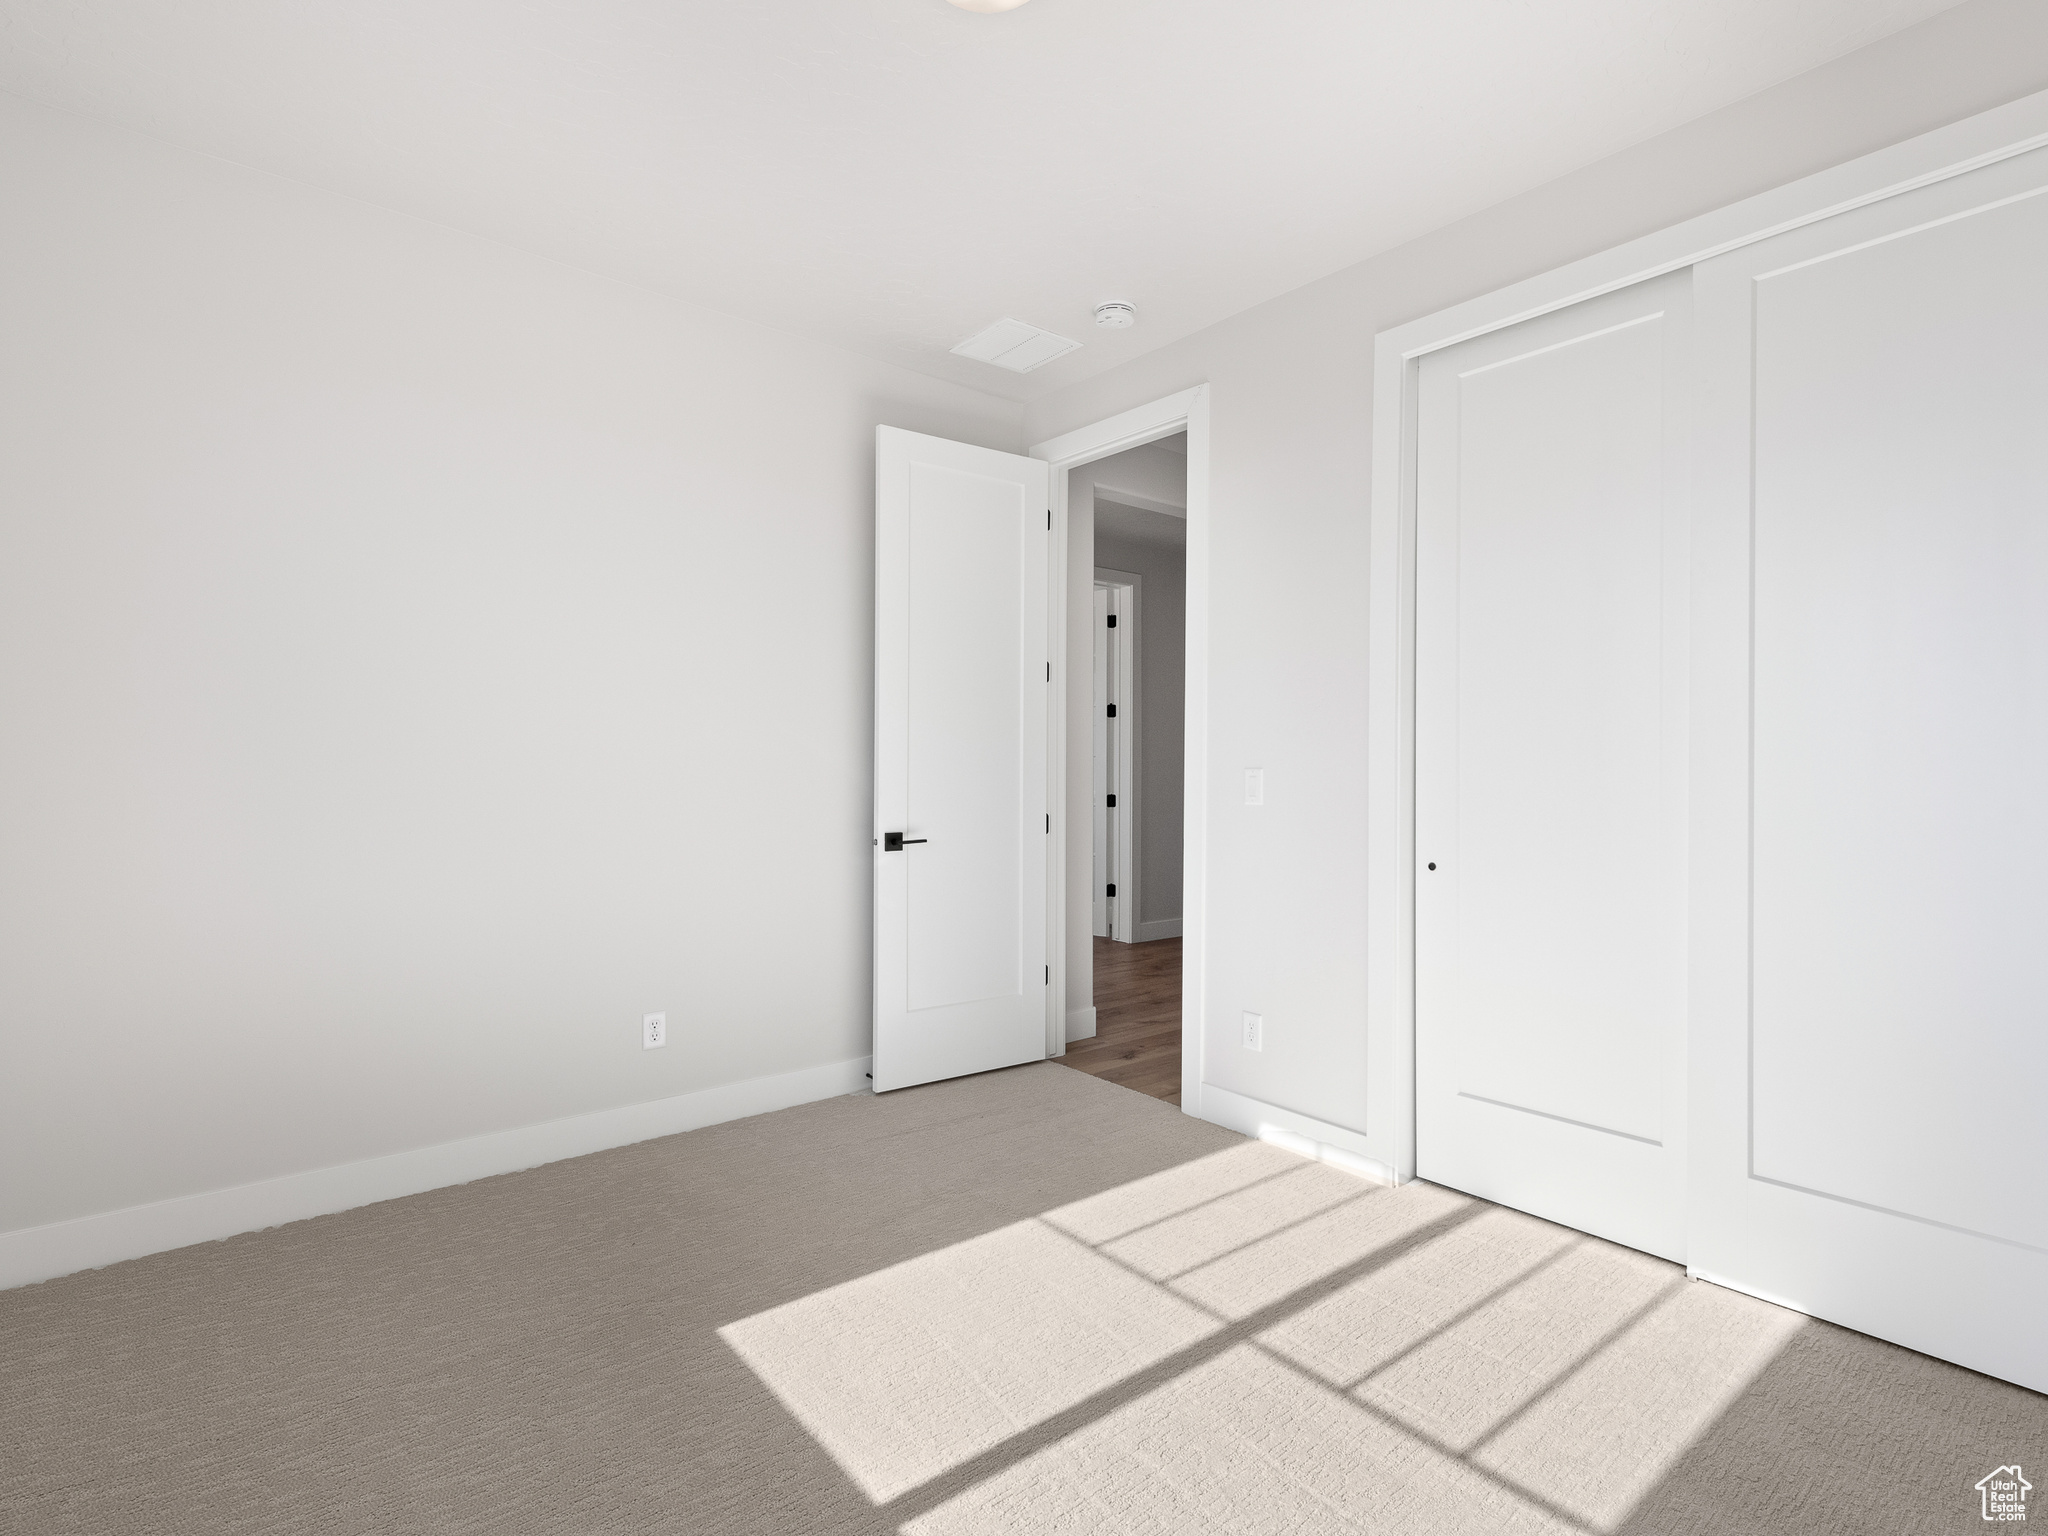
x=1327, y=1143
x=30, y=1254
x=1080, y=1024
x=1165, y=928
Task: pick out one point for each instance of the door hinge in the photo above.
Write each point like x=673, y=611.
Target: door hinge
x=1112, y=890
x=1048, y=975
x=1112, y=802
x=1112, y=621
x=1048, y=671
x=1112, y=711
x=1048, y=823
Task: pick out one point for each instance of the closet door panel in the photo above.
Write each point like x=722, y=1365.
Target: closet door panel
x=1870, y=1134
x=1550, y=795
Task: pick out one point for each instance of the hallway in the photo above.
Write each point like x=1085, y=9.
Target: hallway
x=1137, y=1019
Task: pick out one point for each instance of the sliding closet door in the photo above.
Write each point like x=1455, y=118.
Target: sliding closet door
x=1550, y=766
x=1870, y=1058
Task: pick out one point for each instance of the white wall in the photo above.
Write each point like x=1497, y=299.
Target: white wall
x=418, y=660
x=1290, y=466
x=1154, y=545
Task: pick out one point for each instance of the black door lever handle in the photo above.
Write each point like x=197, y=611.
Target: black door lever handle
x=896, y=842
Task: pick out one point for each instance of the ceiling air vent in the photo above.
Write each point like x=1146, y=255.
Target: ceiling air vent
x=1014, y=345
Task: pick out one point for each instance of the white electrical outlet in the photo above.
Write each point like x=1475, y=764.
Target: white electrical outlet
x=1255, y=786
x=654, y=1032
x=1255, y=1031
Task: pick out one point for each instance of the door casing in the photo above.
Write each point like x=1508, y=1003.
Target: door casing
x=1186, y=411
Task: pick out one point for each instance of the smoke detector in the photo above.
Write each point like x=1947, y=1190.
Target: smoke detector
x=1116, y=315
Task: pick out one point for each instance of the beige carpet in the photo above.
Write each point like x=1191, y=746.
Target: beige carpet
x=1020, y=1303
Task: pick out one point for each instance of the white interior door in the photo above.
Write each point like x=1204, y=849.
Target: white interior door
x=1870, y=1037
x=961, y=775
x=1102, y=773
x=1118, y=882
x=1550, y=766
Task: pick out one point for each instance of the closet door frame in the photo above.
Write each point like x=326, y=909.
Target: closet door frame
x=1984, y=139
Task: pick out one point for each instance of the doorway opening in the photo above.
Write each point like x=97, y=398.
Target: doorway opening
x=1127, y=536
x=982, y=947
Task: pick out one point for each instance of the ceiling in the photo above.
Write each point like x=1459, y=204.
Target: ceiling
x=1114, y=520
x=893, y=175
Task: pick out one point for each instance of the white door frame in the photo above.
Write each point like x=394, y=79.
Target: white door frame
x=1999, y=134
x=1187, y=411
x=1127, y=588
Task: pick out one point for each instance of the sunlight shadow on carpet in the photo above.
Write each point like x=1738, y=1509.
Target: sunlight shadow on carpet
x=1255, y=1341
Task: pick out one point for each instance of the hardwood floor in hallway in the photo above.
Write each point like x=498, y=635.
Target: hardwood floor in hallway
x=1137, y=1018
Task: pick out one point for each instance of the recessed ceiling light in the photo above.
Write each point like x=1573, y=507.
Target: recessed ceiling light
x=988, y=7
